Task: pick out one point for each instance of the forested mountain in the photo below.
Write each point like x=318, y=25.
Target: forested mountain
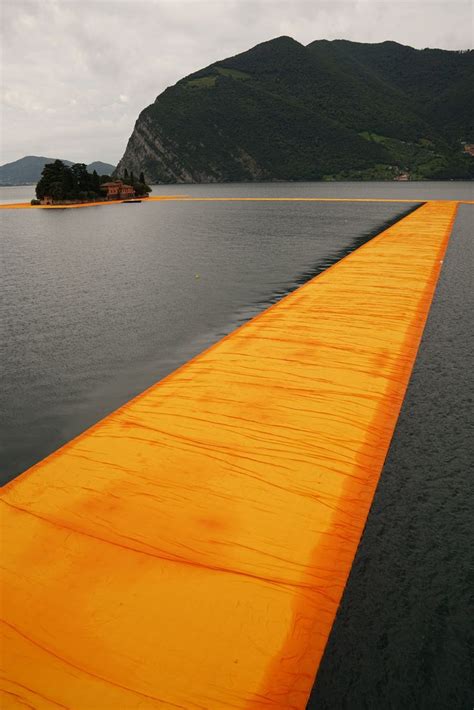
x=27, y=170
x=330, y=110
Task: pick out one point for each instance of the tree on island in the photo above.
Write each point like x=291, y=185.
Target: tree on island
x=63, y=183
x=54, y=181
x=96, y=181
x=140, y=186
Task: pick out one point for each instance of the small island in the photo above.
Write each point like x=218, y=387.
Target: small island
x=61, y=184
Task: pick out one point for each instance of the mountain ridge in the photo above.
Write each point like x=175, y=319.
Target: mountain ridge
x=329, y=110
x=27, y=170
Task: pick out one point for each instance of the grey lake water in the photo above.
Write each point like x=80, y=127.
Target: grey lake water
x=423, y=190
x=99, y=303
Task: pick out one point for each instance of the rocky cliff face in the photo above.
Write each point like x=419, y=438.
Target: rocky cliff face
x=165, y=160
x=331, y=110
x=148, y=151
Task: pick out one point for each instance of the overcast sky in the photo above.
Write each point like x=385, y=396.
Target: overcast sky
x=76, y=73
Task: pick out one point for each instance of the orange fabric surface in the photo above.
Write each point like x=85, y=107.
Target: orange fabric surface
x=28, y=205
x=187, y=198
x=191, y=549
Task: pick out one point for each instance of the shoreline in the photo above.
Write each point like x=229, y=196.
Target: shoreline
x=187, y=198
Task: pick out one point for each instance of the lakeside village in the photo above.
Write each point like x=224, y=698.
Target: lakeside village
x=63, y=185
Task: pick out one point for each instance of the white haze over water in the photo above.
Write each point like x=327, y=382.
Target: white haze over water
x=76, y=73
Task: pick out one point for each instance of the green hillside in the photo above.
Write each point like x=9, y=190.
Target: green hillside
x=331, y=110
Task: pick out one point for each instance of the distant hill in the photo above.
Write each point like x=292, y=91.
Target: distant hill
x=331, y=110
x=101, y=168
x=27, y=171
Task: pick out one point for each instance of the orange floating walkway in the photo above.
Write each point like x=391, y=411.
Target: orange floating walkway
x=190, y=550
x=79, y=205
x=188, y=198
